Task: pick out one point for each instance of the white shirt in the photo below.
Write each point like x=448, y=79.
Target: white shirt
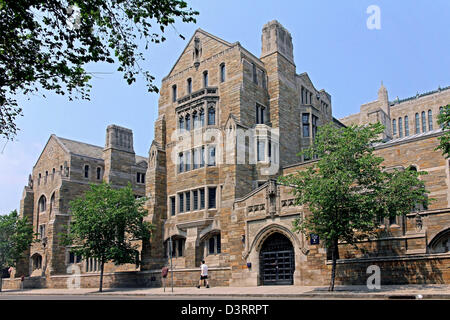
x=204, y=269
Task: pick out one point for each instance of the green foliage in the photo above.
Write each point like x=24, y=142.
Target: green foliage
x=106, y=223
x=16, y=236
x=346, y=190
x=444, y=121
x=45, y=45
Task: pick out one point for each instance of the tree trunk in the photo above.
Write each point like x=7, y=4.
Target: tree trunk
x=334, y=257
x=102, y=265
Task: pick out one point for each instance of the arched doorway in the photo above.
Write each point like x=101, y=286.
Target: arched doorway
x=276, y=261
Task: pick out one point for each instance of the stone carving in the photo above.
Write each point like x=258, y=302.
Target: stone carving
x=30, y=181
x=288, y=203
x=197, y=51
x=258, y=207
x=419, y=222
x=271, y=196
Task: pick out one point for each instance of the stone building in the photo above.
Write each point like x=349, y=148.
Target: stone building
x=229, y=123
x=62, y=173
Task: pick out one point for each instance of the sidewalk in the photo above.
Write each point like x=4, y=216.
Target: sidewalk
x=430, y=291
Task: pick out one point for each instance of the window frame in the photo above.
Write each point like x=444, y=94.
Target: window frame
x=222, y=72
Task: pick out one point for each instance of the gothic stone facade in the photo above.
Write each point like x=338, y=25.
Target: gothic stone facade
x=62, y=173
x=228, y=125
x=214, y=198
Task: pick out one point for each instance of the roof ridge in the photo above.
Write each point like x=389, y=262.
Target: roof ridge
x=418, y=95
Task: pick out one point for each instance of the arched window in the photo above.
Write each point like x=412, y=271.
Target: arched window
x=394, y=127
x=211, y=155
x=222, y=72
x=188, y=122
x=417, y=206
x=202, y=117
x=260, y=110
x=212, y=244
x=174, y=93
x=36, y=261
x=189, y=85
x=195, y=121
x=211, y=116
x=430, y=120
x=99, y=173
x=86, y=171
x=52, y=202
x=181, y=123
x=406, y=126
x=417, y=123
x=188, y=160
x=400, y=127
x=180, y=162
x=205, y=79
x=424, y=122
x=42, y=204
x=263, y=76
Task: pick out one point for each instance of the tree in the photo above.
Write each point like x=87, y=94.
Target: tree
x=444, y=122
x=46, y=44
x=16, y=236
x=106, y=224
x=347, y=191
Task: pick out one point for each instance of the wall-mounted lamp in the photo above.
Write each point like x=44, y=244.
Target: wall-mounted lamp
x=249, y=265
x=243, y=238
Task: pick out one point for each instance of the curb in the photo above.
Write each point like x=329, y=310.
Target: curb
x=324, y=295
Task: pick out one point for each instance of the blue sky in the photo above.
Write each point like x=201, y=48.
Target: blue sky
x=410, y=53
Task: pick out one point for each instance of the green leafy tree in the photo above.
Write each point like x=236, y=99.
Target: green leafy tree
x=444, y=122
x=46, y=45
x=16, y=236
x=106, y=224
x=347, y=191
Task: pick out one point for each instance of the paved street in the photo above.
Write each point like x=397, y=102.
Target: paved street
x=218, y=293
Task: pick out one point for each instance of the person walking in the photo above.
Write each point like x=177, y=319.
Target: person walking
x=164, y=272
x=203, y=275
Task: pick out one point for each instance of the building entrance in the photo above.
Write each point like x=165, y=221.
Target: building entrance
x=276, y=261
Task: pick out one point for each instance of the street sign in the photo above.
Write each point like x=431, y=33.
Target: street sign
x=314, y=238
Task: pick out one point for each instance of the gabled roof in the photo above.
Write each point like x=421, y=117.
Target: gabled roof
x=88, y=150
x=189, y=42
x=81, y=148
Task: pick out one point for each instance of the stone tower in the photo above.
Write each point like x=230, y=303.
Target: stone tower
x=278, y=58
x=275, y=38
x=118, y=154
